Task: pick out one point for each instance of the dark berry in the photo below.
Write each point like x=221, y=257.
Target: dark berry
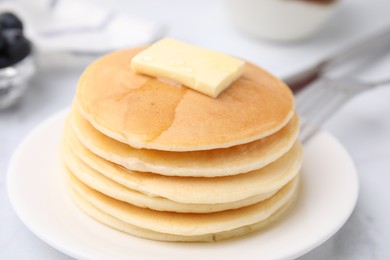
x=2, y=43
x=12, y=36
x=17, y=46
x=5, y=61
x=10, y=21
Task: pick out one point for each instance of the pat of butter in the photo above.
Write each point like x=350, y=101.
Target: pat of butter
x=203, y=70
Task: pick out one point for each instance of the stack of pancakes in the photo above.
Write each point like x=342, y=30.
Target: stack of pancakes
x=161, y=161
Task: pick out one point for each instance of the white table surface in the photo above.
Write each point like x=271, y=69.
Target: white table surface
x=362, y=126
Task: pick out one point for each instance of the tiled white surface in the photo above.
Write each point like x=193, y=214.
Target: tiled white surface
x=363, y=126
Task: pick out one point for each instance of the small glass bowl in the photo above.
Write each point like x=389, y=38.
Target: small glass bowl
x=14, y=81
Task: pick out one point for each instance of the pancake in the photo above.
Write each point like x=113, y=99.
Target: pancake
x=79, y=171
x=210, y=163
x=145, y=112
x=187, y=224
x=193, y=190
x=115, y=223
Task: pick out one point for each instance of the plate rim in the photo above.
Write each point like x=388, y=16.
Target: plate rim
x=68, y=251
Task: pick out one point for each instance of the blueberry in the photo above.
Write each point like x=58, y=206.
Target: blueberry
x=13, y=45
x=17, y=47
x=5, y=61
x=10, y=21
x=2, y=42
x=12, y=36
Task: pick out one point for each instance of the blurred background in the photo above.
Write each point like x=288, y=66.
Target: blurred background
x=46, y=44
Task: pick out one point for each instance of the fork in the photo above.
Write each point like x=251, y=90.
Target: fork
x=321, y=99
x=317, y=103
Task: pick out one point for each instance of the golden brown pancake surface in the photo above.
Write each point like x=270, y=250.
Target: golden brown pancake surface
x=208, y=163
x=199, y=190
x=187, y=224
x=145, y=112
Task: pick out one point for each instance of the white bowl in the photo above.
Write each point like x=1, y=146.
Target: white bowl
x=281, y=20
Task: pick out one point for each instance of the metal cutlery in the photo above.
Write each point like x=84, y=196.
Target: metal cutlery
x=340, y=79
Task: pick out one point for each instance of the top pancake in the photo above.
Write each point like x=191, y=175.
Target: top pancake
x=145, y=112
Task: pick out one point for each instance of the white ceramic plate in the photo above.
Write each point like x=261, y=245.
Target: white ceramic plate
x=38, y=193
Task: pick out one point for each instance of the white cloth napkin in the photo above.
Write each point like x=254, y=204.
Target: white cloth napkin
x=80, y=26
